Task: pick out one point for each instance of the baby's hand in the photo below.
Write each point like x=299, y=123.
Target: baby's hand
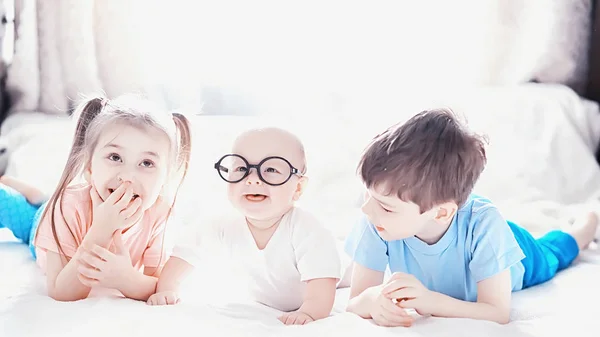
x=163, y=298
x=295, y=318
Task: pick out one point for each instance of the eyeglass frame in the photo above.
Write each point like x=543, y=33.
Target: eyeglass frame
x=293, y=170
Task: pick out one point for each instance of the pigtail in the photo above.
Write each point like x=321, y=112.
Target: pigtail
x=185, y=142
x=184, y=153
x=87, y=112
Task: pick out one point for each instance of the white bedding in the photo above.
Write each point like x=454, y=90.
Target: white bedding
x=541, y=171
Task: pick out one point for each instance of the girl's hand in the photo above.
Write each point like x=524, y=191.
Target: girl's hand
x=100, y=267
x=117, y=212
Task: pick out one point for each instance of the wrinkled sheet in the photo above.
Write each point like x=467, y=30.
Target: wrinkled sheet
x=541, y=172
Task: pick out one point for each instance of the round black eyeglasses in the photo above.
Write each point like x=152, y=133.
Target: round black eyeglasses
x=274, y=171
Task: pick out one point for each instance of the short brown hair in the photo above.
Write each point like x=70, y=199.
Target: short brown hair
x=430, y=159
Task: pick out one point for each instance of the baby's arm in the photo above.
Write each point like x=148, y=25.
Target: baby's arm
x=319, y=298
x=318, y=261
x=167, y=289
x=33, y=195
x=193, y=242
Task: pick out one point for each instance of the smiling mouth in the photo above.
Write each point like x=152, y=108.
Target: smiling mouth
x=135, y=196
x=255, y=197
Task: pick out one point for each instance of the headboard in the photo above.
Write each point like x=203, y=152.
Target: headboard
x=593, y=86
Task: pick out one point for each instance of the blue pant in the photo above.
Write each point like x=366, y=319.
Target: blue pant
x=18, y=215
x=546, y=256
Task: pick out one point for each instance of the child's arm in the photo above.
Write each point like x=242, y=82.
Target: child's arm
x=493, y=298
x=317, y=304
x=319, y=298
x=102, y=267
x=493, y=301
x=33, y=195
x=140, y=286
x=493, y=251
x=369, y=253
x=193, y=243
x=319, y=265
x=69, y=280
x=368, y=301
x=167, y=289
x=62, y=280
x=362, y=297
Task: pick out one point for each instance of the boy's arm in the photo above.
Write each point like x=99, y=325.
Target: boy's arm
x=362, y=296
x=33, y=195
x=368, y=301
x=493, y=301
x=494, y=250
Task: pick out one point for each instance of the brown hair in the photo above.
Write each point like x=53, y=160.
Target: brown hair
x=94, y=116
x=428, y=160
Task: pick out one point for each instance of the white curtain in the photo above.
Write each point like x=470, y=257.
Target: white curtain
x=247, y=57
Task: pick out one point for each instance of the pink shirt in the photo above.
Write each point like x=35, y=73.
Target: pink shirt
x=73, y=220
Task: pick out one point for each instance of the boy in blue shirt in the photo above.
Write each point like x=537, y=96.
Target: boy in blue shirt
x=451, y=253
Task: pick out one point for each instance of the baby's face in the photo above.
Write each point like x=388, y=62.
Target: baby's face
x=256, y=199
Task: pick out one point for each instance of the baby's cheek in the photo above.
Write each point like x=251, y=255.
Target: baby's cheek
x=232, y=189
x=233, y=193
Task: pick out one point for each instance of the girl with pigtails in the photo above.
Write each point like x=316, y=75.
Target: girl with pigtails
x=104, y=224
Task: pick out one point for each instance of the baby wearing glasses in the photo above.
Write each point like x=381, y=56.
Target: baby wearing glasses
x=290, y=259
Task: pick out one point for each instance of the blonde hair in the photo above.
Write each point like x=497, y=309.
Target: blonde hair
x=94, y=115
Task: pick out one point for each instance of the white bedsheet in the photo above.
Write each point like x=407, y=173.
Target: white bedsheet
x=541, y=171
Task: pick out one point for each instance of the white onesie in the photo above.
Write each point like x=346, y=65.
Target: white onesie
x=301, y=249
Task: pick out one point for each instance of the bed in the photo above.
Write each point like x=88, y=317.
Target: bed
x=542, y=172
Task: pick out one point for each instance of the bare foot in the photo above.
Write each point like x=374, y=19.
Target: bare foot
x=584, y=230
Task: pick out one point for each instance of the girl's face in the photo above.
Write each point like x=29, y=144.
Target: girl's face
x=139, y=155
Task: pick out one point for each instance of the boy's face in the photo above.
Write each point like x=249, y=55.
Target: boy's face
x=393, y=218
x=256, y=199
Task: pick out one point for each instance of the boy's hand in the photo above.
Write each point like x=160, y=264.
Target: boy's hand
x=295, y=318
x=410, y=293
x=387, y=313
x=164, y=298
x=100, y=267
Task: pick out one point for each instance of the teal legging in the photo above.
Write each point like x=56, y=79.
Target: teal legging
x=18, y=215
x=546, y=256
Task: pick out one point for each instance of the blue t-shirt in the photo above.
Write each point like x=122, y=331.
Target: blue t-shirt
x=478, y=244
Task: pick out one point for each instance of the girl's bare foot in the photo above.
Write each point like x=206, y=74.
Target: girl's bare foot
x=584, y=230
